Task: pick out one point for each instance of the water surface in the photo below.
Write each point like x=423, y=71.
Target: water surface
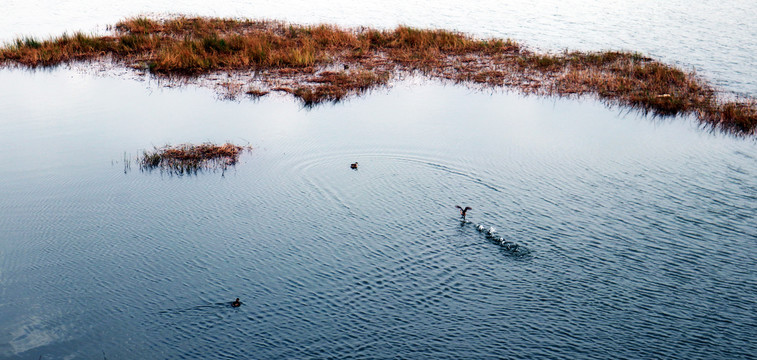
x=639, y=232
x=636, y=235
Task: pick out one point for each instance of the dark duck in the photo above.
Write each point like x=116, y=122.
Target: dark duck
x=463, y=211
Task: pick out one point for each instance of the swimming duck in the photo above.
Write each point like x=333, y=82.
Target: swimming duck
x=236, y=303
x=353, y=165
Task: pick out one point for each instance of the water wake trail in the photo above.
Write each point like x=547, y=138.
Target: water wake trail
x=510, y=247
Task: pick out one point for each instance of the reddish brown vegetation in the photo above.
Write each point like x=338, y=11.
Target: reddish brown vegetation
x=189, y=159
x=326, y=63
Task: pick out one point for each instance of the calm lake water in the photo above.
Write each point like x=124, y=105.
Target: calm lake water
x=625, y=236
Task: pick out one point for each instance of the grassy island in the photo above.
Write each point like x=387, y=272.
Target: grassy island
x=189, y=159
x=327, y=63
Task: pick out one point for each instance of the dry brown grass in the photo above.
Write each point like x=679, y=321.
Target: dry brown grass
x=336, y=85
x=190, y=159
x=644, y=84
x=302, y=61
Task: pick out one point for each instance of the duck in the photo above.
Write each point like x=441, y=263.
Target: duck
x=463, y=211
x=236, y=303
x=353, y=165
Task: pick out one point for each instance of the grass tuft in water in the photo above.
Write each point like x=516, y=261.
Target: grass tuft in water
x=191, y=159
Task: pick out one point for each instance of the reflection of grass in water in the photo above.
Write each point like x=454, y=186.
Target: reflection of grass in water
x=326, y=63
x=190, y=159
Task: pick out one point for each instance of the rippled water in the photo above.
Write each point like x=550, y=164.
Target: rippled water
x=622, y=236
x=637, y=236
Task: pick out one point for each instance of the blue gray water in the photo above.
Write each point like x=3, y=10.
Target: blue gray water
x=617, y=235
x=636, y=235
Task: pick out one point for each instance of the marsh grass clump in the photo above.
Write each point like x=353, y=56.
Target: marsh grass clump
x=336, y=85
x=303, y=61
x=190, y=159
x=645, y=84
x=28, y=42
x=740, y=116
